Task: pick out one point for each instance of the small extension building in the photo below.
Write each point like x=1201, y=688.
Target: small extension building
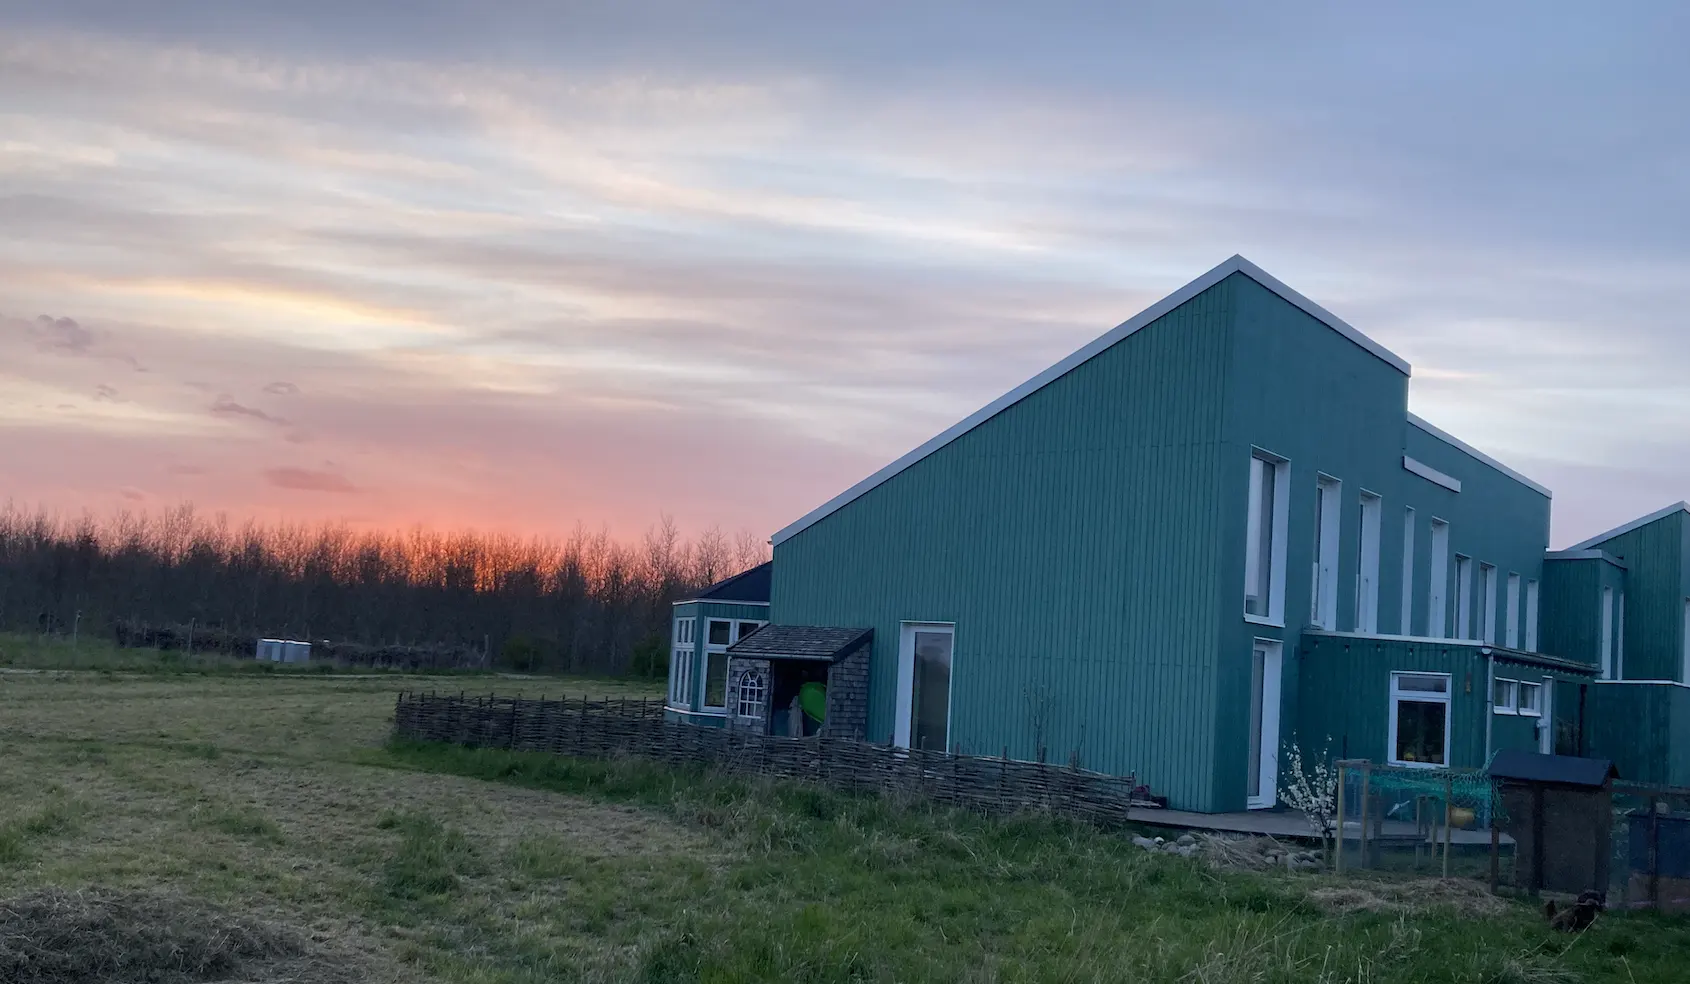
x=1211, y=532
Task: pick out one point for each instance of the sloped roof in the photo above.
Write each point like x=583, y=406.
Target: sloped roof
x=1457, y=443
x=800, y=642
x=1562, y=770
x=1633, y=525
x=1234, y=264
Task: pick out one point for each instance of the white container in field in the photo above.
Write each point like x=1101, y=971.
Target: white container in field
x=284, y=651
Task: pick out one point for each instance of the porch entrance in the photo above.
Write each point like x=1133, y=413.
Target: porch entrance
x=1262, y=787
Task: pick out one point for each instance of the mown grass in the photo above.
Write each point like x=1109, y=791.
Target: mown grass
x=282, y=797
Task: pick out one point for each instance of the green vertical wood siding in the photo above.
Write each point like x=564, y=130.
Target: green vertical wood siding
x=1644, y=728
x=1075, y=541
x=1656, y=583
x=1571, y=607
x=1346, y=688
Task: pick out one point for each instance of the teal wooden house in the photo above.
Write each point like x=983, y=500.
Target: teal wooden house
x=1211, y=532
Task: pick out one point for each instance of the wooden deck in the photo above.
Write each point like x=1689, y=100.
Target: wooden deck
x=1286, y=825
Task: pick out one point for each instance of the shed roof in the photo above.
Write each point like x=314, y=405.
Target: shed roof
x=1637, y=523
x=1228, y=267
x=1560, y=770
x=747, y=587
x=800, y=642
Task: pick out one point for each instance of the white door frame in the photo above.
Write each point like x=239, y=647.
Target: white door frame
x=906, y=676
x=1546, y=737
x=1273, y=658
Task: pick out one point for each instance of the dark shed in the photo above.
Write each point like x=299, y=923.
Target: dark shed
x=1560, y=813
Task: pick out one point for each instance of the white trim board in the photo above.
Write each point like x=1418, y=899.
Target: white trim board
x=718, y=601
x=1476, y=454
x=1633, y=525
x=1651, y=683
x=1430, y=474
x=1584, y=555
x=1232, y=265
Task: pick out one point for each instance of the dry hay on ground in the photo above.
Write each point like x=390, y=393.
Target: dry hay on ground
x=59, y=937
x=1468, y=898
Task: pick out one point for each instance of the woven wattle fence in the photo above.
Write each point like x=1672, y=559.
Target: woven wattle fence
x=612, y=727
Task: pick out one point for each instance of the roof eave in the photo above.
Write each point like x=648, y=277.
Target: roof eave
x=1233, y=264
x=1476, y=454
x=1635, y=524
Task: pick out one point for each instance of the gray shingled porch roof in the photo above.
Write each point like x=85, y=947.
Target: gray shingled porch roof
x=800, y=642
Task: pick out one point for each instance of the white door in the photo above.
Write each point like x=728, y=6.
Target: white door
x=1263, y=783
x=1546, y=724
x=924, y=686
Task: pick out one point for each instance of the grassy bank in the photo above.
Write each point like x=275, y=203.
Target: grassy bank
x=281, y=799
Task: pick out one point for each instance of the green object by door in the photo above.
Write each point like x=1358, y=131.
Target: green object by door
x=812, y=699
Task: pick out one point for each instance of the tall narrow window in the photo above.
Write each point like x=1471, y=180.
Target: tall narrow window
x=1407, y=625
x=1487, y=604
x=1619, y=638
x=1464, y=597
x=1264, y=544
x=1419, y=720
x=1531, y=616
x=1323, y=583
x=1437, y=602
x=1367, y=565
x=1684, y=673
x=680, y=663
x=1605, y=656
x=1511, y=631
x=716, y=641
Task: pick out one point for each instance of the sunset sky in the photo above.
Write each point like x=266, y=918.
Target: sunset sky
x=522, y=265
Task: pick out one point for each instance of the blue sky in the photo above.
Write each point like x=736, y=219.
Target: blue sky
x=526, y=264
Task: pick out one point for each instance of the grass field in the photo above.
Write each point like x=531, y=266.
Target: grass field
x=277, y=801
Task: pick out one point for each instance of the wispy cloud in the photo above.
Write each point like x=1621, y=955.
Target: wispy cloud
x=308, y=480
x=572, y=266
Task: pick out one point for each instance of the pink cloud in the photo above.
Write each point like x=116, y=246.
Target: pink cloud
x=308, y=480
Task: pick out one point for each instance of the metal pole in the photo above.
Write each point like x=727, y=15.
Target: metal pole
x=1361, y=840
x=75, y=629
x=1449, y=794
x=1654, y=854
x=1338, y=850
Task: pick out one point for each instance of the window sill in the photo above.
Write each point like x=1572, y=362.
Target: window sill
x=1531, y=714
x=1264, y=620
x=1413, y=765
x=1504, y=712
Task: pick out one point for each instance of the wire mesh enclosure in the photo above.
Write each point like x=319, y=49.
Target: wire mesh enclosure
x=1412, y=820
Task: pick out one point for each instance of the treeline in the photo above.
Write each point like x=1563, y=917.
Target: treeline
x=583, y=603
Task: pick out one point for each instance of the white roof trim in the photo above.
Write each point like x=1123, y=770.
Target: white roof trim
x=1584, y=555
x=716, y=601
x=1234, y=264
x=1431, y=474
x=1634, y=524
x=1460, y=445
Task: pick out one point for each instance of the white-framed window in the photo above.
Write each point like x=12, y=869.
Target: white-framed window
x=1464, y=597
x=1407, y=625
x=1619, y=638
x=1487, y=604
x=1323, y=582
x=1605, y=656
x=1437, y=603
x=720, y=633
x=1531, y=616
x=718, y=636
x=1684, y=676
x=1264, y=538
x=753, y=687
x=1367, y=564
x=1420, y=722
x=1511, y=630
x=1531, y=699
x=1505, y=696
x=680, y=662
